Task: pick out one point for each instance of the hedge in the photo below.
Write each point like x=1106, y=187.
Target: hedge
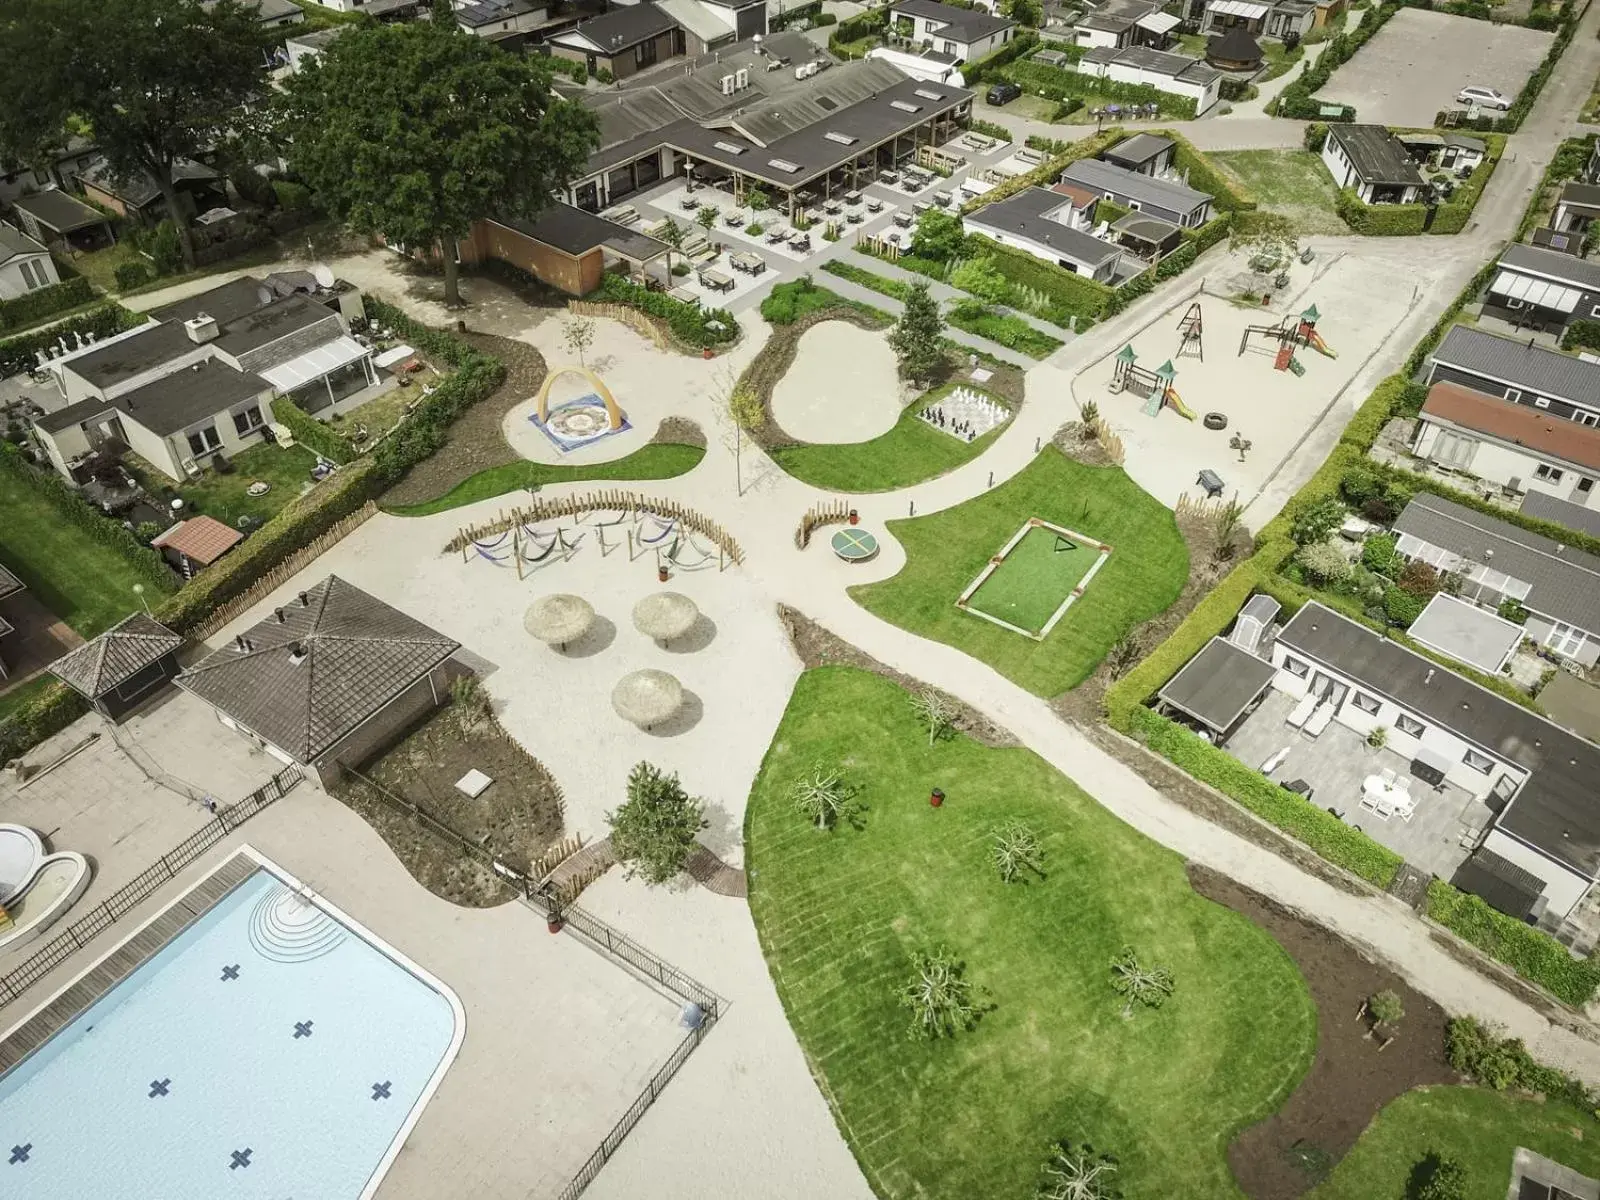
x=71, y=507
x=45, y=302
x=20, y=353
x=989, y=66
x=689, y=323
x=45, y=715
x=1454, y=213
x=1048, y=172
x=1038, y=79
x=1075, y=295
x=1305, y=822
x=1502, y=1063
x=1529, y=952
x=990, y=129
x=311, y=433
x=1407, y=220
x=1567, y=163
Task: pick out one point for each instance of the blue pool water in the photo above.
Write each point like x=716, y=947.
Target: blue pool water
x=269, y=1052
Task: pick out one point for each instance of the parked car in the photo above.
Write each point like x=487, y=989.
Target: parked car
x=1003, y=93
x=1483, y=97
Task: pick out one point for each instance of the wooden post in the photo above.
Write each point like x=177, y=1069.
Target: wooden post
x=516, y=549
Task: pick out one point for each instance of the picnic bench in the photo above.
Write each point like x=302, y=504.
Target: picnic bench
x=748, y=262
x=685, y=295
x=715, y=280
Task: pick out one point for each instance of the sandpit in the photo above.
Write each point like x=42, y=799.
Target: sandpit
x=842, y=387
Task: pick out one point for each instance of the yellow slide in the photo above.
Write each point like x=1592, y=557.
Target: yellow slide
x=1178, y=406
x=1315, y=340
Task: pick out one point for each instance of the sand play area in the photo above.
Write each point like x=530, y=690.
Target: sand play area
x=1274, y=411
x=841, y=388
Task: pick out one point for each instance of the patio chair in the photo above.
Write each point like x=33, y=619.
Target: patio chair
x=1406, y=809
x=1387, y=774
x=1403, y=784
x=1297, y=718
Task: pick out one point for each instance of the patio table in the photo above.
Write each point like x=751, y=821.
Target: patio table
x=1387, y=799
x=717, y=281
x=684, y=294
x=852, y=197
x=747, y=261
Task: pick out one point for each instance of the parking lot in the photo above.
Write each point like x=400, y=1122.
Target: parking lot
x=1419, y=61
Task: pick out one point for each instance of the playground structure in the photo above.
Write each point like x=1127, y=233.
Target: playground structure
x=1290, y=333
x=1190, y=329
x=581, y=421
x=1155, y=386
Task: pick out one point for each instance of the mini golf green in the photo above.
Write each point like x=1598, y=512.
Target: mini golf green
x=1032, y=580
x=854, y=545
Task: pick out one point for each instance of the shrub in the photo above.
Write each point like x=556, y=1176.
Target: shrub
x=1323, y=562
x=1510, y=610
x=164, y=245
x=653, y=831
x=1503, y=1063
x=35, y=306
x=315, y=435
x=1582, y=335
x=1318, y=523
x=1379, y=554
x=982, y=278
x=579, y=72
x=690, y=324
x=1528, y=951
x=1401, y=607
x=1014, y=849
x=1316, y=134
x=38, y=718
x=1380, y=220
x=292, y=197
x=788, y=302
x=1420, y=579
x=824, y=19
x=131, y=275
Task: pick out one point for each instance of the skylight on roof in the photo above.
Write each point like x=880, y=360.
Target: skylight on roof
x=729, y=147
x=927, y=95
x=783, y=164
x=905, y=107
x=844, y=139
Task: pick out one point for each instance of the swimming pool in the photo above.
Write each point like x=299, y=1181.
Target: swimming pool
x=270, y=1051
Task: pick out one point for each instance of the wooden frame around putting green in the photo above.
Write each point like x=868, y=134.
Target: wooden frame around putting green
x=998, y=560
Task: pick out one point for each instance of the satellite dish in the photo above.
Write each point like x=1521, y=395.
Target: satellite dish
x=323, y=275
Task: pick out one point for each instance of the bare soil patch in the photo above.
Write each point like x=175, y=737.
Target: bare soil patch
x=1351, y=1079
x=516, y=819
x=475, y=443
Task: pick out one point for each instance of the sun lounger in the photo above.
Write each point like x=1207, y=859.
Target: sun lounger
x=1297, y=718
x=1319, y=719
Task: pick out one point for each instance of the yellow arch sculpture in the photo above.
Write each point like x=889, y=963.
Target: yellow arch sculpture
x=613, y=412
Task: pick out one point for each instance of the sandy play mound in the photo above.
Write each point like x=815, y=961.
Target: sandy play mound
x=842, y=387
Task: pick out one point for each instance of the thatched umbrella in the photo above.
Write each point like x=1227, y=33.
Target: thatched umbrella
x=647, y=697
x=665, y=615
x=558, y=618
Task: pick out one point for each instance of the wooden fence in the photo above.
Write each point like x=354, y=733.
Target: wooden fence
x=829, y=512
x=283, y=572
x=1109, y=441
x=541, y=508
x=640, y=323
x=1204, y=509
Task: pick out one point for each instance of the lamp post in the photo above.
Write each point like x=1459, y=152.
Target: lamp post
x=138, y=590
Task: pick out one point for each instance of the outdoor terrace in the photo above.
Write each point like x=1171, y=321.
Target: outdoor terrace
x=1336, y=762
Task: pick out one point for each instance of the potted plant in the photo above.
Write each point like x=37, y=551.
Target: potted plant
x=1378, y=737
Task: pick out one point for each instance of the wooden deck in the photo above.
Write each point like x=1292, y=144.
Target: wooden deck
x=124, y=960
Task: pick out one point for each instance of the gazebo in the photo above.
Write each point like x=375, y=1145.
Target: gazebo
x=1234, y=50
x=116, y=670
x=647, y=697
x=665, y=615
x=559, y=618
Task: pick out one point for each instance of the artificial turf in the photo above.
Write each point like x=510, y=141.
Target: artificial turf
x=840, y=913
x=911, y=452
x=1480, y=1129
x=84, y=582
x=1031, y=582
x=946, y=550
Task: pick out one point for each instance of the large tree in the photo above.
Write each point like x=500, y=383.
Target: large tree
x=653, y=831
x=416, y=131
x=151, y=82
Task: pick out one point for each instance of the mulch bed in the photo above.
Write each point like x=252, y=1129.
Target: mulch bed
x=1287, y=1154
x=474, y=443
x=517, y=818
x=819, y=648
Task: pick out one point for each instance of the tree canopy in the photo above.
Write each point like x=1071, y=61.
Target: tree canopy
x=653, y=832
x=151, y=82
x=416, y=131
x=915, y=338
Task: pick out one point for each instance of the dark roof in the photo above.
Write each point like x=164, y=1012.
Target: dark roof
x=1555, y=809
x=1105, y=177
x=1563, y=512
x=1499, y=883
x=73, y=414
x=317, y=39
x=1462, y=142
x=1522, y=364
x=575, y=232
x=56, y=210
x=223, y=302
x=1565, y=582
x=1140, y=148
x=1218, y=684
x=621, y=28
x=189, y=395
x=312, y=671
x=117, y=655
x=1157, y=62
x=487, y=12
x=965, y=25
x=14, y=243
x=1235, y=45
x=1376, y=154
x=265, y=325
x=1519, y=424
x=9, y=583
x=1023, y=216
x=140, y=191
x=1573, y=703
x=1584, y=195
x=1552, y=264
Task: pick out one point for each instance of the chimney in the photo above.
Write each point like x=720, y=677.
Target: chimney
x=201, y=329
x=303, y=601
x=297, y=653
x=278, y=612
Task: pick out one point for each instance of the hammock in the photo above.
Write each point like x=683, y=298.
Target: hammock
x=498, y=560
x=666, y=531
x=675, y=555
x=492, y=544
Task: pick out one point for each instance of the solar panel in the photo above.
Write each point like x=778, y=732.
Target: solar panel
x=783, y=164
x=730, y=148
x=904, y=107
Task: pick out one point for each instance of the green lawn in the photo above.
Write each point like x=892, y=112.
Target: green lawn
x=1481, y=1129
x=839, y=914
x=946, y=550
x=1038, y=574
x=23, y=693
x=86, y=584
x=1293, y=182
x=909, y=453
x=286, y=471
x=658, y=460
